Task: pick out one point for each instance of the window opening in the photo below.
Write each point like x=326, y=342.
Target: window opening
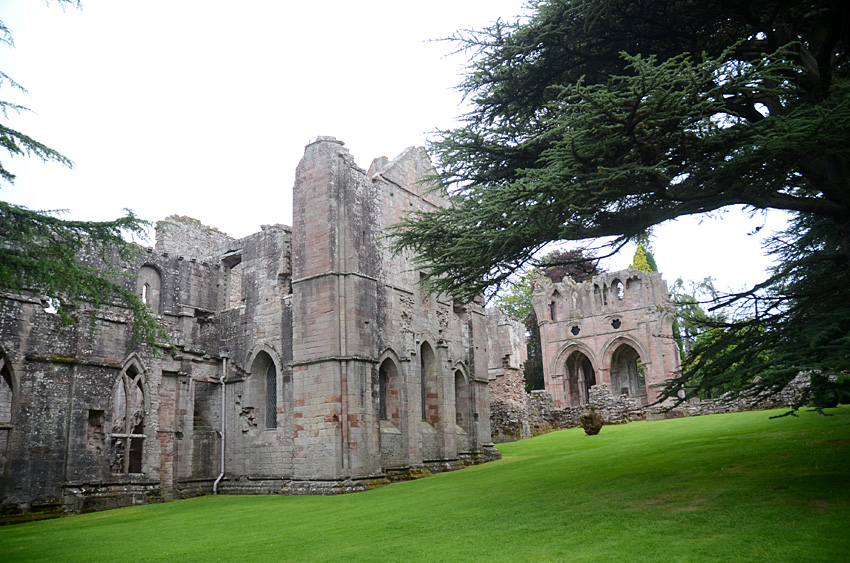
x=424, y=297
x=430, y=406
x=232, y=282
x=149, y=287
x=128, y=423
x=94, y=431
x=389, y=399
x=6, y=400
x=422, y=374
x=382, y=394
x=5, y=393
x=461, y=401
x=271, y=397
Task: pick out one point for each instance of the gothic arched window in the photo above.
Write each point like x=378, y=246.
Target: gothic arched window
x=128, y=422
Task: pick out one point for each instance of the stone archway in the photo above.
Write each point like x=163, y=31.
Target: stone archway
x=580, y=377
x=627, y=373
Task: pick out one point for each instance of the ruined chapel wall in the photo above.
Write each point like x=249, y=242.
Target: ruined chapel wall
x=183, y=236
x=596, y=318
x=324, y=302
x=346, y=267
x=256, y=330
x=457, y=330
x=65, y=380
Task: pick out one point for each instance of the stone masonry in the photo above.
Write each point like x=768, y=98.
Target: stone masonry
x=305, y=360
x=614, y=330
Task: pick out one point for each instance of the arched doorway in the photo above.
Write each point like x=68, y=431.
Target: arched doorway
x=627, y=374
x=580, y=378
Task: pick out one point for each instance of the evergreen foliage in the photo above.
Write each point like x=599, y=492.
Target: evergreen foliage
x=640, y=260
x=797, y=321
x=41, y=253
x=602, y=118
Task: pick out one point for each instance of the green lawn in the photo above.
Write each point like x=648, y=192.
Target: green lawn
x=731, y=487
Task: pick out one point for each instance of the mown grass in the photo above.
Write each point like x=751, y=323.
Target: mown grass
x=734, y=487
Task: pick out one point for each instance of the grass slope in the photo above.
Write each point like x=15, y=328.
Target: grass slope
x=732, y=487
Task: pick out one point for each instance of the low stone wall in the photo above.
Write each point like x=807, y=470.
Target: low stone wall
x=785, y=398
x=511, y=420
x=508, y=421
x=615, y=408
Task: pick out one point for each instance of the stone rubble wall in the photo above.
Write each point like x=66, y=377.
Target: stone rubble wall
x=512, y=420
x=787, y=397
x=188, y=238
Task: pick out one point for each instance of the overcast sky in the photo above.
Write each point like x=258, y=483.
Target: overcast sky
x=203, y=108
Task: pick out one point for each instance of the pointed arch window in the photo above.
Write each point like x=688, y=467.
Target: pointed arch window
x=389, y=393
x=6, y=404
x=5, y=393
x=462, y=418
x=128, y=422
x=383, y=384
x=271, y=396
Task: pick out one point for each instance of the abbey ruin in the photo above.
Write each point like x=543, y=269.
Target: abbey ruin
x=607, y=343
x=615, y=330
x=306, y=360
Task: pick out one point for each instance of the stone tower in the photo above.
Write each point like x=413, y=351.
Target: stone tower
x=335, y=267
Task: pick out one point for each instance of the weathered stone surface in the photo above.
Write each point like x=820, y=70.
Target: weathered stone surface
x=615, y=330
x=308, y=358
x=591, y=421
x=513, y=421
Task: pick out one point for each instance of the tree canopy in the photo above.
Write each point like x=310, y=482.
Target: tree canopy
x=42, y=253
x=601, y=118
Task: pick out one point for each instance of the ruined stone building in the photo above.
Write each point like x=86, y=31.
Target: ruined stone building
x=615, y=330
x=305, y=360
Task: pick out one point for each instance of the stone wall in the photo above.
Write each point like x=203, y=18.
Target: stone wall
x=785, y=398
x=187, y=237
x=336, y=371
x=615, y=329
x=513, y=421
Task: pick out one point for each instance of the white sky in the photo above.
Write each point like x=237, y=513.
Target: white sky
x=203, y=108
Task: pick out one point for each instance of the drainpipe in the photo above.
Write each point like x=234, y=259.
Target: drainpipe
x=224, y=356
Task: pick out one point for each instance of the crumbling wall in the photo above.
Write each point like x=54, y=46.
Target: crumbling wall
x=790, y=395
x=615, y=329
x=297, y=324
x=187, y=237
x=539, y=414
x=373, y=324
